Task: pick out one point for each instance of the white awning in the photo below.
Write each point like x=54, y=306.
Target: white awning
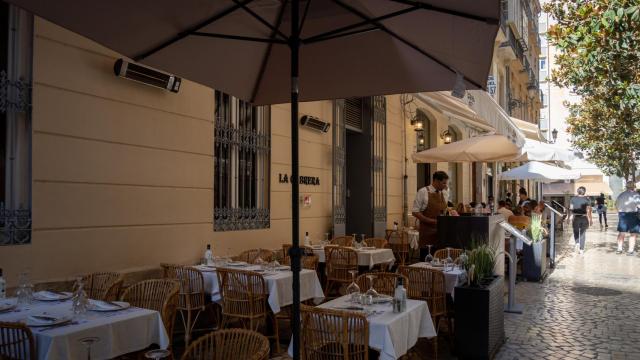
x=479, y=148
x=538, y=151
x=452, y=107
x=593, y=188
x=538, y=171
x=489, y=110
x=530, y=130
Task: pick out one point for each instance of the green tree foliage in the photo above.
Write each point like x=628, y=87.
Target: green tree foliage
x=599, y=57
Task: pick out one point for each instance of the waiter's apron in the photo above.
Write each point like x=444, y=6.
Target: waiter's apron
x=435, y=207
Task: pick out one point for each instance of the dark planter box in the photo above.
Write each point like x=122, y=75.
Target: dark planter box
x=534, y=260
x=479, y=320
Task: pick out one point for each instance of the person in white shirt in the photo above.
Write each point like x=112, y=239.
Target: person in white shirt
x=627, y=204
x=430, y=202
x=502, y=210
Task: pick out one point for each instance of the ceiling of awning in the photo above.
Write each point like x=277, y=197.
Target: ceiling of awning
x=530, y=130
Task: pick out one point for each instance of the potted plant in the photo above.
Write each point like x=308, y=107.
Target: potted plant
x=534, y=256
x=479, y=306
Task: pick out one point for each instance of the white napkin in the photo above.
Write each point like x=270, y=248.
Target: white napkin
x=101, y=305
x=48, y=295
x=42, y=319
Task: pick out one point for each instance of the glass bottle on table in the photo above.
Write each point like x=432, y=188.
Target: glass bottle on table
x=399, y=296
x=79, y=301
x=362, y=237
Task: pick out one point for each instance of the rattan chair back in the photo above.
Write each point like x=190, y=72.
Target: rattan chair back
x=334, y=335
x=157, y=294
x=441, y=254
x=252, y=255
x=378, y=243
x=339, y=261
x=427, y=285
x=103, y=285
x=342, y=241
x=383, y=282
x=16, y=342
x=191, y=295
x=244, y=294
x=399, y=244
x=229, y=344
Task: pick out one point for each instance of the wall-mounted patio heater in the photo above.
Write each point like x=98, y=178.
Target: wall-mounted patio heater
x=147, y=75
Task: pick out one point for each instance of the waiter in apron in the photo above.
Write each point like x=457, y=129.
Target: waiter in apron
x=430, y=202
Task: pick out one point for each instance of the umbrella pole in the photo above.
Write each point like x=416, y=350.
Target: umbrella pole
x=294, y=43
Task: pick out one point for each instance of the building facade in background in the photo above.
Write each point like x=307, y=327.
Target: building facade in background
x=119, y=176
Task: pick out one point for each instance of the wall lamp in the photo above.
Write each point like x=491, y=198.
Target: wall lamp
x=418, y=123
x=446, y=136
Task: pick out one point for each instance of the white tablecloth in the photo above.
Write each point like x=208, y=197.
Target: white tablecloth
x=279, y=286
x=390, y=333
x=368, y=258
x=120, y=332
x=451, y=277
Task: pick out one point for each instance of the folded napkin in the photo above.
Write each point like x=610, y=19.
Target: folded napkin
x=49, y=295
x=42, y=319
x=101, y=305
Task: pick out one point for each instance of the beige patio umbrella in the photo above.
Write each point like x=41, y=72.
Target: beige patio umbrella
x=278, y=51
x=484, y=148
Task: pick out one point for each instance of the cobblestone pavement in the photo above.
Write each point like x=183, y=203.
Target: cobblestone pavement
x=587, y=308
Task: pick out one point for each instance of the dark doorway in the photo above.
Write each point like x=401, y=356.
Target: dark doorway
x=358, y=116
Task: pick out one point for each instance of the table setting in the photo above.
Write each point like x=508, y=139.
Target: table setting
x=391, y=333
x=454, y=274
x=278, y=279
x=68, y=325
x=368, y=256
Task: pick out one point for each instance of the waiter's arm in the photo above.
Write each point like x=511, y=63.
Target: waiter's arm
x=424, y=219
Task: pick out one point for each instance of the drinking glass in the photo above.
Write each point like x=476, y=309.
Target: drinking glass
x=88, y=342
x=371, y=292
x=353, y=290
x=464, y=259
x=326, y=238
x=362, y=237
x=429, y=258
x=157, y=354
x=79, y=301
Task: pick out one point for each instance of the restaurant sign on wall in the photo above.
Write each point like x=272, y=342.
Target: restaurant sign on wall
x=303, y=180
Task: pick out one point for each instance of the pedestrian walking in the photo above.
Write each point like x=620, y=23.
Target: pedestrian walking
x=627, y=204
x=601, y=208
x=580, y=211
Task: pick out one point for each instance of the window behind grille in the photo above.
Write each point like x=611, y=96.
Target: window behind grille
x=242, y=144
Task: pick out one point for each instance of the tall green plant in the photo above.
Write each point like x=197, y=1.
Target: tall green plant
x=482, y=261
x=535, y=229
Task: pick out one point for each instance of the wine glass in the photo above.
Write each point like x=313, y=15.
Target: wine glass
x=371, y=292
x=448, y=262
x=326, y=239
x=88, y=342
x=353, y=290
x=429, y=258
x=157, y=354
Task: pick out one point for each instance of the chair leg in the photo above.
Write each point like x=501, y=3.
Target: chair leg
x=328, y=287
x=276, y=333
x=435, y=348
x=187, y=329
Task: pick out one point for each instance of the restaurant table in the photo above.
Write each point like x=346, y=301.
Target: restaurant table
x=119, y=332
x=393, y=334
x=452, y=278
x=366, y=258
x=279, y=285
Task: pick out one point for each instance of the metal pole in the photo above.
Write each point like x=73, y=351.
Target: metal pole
x=512, y=307
x=294, y=44
x=552, y=239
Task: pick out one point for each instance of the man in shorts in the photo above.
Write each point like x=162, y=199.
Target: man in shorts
x=627, y=204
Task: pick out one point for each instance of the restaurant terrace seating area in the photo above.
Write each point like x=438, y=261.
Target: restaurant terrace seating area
x=239, y=306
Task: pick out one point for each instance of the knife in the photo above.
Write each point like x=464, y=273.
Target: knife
x=45, y=317
x=112, y=304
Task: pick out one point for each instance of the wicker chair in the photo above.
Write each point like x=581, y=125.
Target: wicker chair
x=244, y=297
x=103, y=285
x=191, y=295
x=400, y=248
x=17, y=342
x=441, y=254
x=309, y=259
x=157, y=294
x=332, y=334
x=428, y=285
x=378, y=243
x=342, y=241
x=229, y=344
x=252, y=255
x=339, y=261
x=384, y=282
